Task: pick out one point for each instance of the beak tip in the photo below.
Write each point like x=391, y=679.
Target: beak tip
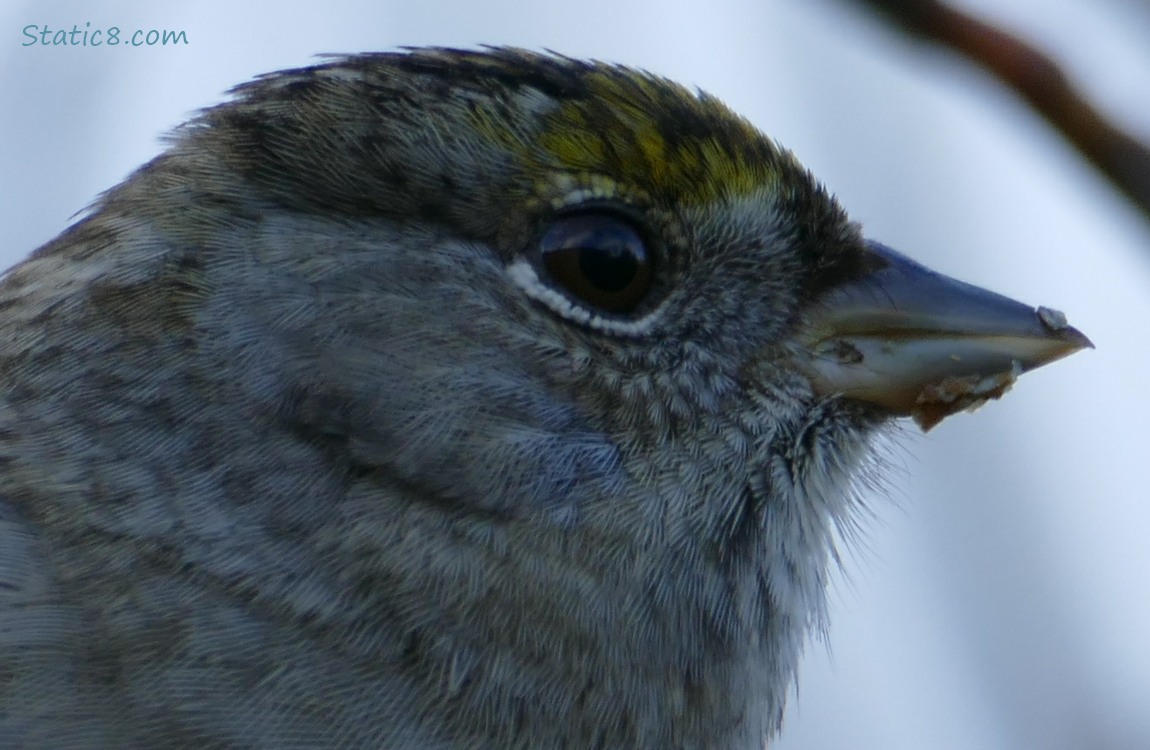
x=1054, y=321
x=1077, y=340
x=1080, y=340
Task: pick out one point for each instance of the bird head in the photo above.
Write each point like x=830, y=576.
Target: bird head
x=583, y=368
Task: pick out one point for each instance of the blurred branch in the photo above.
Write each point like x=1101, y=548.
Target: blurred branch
x=1034, y=76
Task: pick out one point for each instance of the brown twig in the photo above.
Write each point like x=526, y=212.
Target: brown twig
x=1119, y=156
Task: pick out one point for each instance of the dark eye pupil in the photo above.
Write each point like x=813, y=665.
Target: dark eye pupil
x=599, y=258
x=609, y=268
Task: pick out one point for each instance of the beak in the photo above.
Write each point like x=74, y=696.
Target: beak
x=925, y=345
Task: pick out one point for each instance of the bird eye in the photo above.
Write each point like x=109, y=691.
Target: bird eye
x=599, y=258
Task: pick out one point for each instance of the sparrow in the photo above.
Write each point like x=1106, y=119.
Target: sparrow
x=446, y=400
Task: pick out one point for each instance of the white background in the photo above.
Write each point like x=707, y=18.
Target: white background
x=1001, y=600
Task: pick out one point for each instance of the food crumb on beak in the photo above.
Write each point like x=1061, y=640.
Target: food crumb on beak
x=956, y=393
x=1053, y=319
